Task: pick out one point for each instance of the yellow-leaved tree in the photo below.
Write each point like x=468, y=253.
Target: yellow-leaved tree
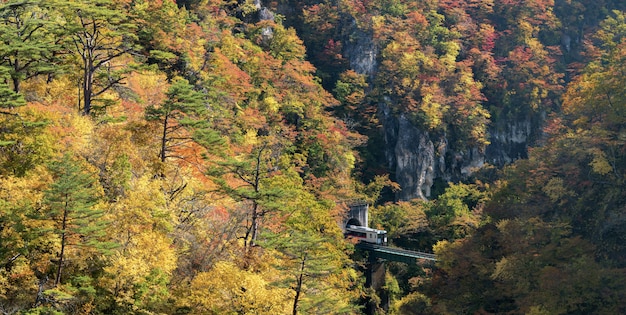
x=141, y=268
x=25, y=252
x=228, y=289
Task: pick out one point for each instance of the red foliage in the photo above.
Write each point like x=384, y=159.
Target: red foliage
x=333, y=49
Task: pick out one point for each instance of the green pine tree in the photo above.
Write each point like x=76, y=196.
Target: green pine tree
x=9, y=99
x=181, y=109
x=99, y=32
x=71, y=201
x=309, y=260
x=27, y=40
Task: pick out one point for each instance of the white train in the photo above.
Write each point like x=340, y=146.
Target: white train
x=366, y=234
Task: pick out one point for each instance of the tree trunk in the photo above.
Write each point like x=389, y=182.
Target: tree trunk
x=61, y=255
x=255, y=207
x=87, y=87
x=162, y=154
x=16, y=79
x=296, y=299
x=255, y=223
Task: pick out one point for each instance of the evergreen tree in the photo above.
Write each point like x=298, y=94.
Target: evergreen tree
x=27, y=44
x=312, y=265
x=9, y=99
x=71, y=201
x=248, y=178
x=181, y=109
x=99, y=33
x=312, y=258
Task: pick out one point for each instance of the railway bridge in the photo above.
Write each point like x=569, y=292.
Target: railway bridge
x=377, y=252
x=376, y=268
x=357, y=215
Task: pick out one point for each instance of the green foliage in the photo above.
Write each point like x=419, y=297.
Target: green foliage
x=98, y=33
x=401, y=219
x=71, y=203
x=312, y=262
x=8, y=97
x=457, y=212
x=182, y=109
x=28, y=40
x=263, y=152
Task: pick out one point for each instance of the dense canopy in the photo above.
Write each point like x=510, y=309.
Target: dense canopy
x=197, y=157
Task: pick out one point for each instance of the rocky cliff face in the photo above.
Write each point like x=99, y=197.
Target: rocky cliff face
x=411, y=154
x=509, y=142
x=416, y=157
x=360, y=50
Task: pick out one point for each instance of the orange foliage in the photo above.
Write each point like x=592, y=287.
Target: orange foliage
x=150, y=88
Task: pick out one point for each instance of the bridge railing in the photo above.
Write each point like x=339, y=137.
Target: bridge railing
x=396, y=254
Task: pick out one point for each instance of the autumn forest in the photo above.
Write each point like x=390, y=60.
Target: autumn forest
x=199, y=156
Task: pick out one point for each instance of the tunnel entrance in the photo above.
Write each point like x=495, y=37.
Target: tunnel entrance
x=354, y=221
x=356, y=214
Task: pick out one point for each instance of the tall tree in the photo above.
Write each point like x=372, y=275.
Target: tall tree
x=71, y=200
x=27, y=43
x=308, y=260
x=250, y=171
x=247, y=179
x=181, y=109
x=99, y=33
x=312, y=258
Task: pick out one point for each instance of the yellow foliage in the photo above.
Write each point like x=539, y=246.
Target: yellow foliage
x=555, y=189
x=31, y=146
x=409, y=303
x=72, y=131
x=600, y=164
x=141, y=268
x=19, y=197
x=502, y=270
x=143, y=253
x=271, y=104
x=226, y=289
x=449, y=59
x=142, y=209
x=433, y=111
x=538, y=310
x=149, y=86
x=250, y=137
x=23, y=191
x=17, y=284
x=444, y=252
x=62, y=89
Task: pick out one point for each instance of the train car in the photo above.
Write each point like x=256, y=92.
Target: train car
x=366, y=234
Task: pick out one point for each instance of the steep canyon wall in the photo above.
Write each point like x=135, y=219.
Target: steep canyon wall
x=416, y=157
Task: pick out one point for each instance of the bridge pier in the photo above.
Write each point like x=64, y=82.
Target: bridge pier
x=375, y=280
x=375, y=277
x=376, y=270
